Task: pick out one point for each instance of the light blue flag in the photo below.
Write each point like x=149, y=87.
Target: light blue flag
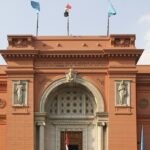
x=111, y=10
x=35, y=5
x=142, y=139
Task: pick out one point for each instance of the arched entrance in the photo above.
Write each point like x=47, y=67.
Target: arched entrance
x=70, y=107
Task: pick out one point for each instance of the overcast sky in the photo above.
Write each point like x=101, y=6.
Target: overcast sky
x=87, y=17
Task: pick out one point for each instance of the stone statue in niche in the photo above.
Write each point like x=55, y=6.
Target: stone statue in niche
x=71, y=75
x=122, y=93
x=20, y=93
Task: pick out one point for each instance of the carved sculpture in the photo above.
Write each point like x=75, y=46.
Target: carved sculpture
x=122, y=93
x=71, y=75
x=20, y=92
x=20, y=42
x=123, y=41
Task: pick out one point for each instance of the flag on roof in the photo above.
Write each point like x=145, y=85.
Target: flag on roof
x=67, y=8
x=111, y=10
x=35, y=5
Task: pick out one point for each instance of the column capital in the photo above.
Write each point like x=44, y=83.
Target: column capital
x=40, y=117
x=40, y=123
x=102, y=124
x=102, y=114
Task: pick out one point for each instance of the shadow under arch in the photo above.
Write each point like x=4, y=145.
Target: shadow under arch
x=97, y=95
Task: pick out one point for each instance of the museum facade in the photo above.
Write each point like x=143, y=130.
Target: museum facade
x=89, y=87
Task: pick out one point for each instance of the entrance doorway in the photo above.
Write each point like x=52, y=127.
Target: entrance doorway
x=75, y=140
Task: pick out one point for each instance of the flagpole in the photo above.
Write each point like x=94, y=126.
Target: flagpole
x=37, y=24
x=68, y=25
x=108, y=26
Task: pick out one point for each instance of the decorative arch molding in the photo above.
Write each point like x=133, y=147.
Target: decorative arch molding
x=97, y=95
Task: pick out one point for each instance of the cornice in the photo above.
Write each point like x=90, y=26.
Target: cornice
x=18, y=53
x=33, y=42
x=107, y=53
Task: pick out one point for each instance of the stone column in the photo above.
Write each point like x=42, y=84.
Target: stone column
x=40, y=119
x=100, y=128
x=41, y=135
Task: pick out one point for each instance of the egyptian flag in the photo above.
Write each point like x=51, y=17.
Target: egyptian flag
x=67, y=8
x=66, y=141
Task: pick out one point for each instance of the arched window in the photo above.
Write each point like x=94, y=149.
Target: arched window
x=70, y=101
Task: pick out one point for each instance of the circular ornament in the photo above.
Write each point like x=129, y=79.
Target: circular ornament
x=2, y=103
x=143, y=103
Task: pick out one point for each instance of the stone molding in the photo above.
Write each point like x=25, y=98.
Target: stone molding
x=40, y=117
x=106, y=53
x=71, y=122
x=102, y=124
x=102, y=114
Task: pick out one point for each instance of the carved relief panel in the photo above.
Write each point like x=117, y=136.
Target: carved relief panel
x=20, y=91
x=20, y=42
x=122, y=93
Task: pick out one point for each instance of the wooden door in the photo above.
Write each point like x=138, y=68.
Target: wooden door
x=75, y=140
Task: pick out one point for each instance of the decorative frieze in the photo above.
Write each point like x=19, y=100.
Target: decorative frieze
x=123, y=41
x=20, y=41
x=23, y=42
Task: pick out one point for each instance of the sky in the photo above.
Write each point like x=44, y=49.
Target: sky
x=87, y=17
